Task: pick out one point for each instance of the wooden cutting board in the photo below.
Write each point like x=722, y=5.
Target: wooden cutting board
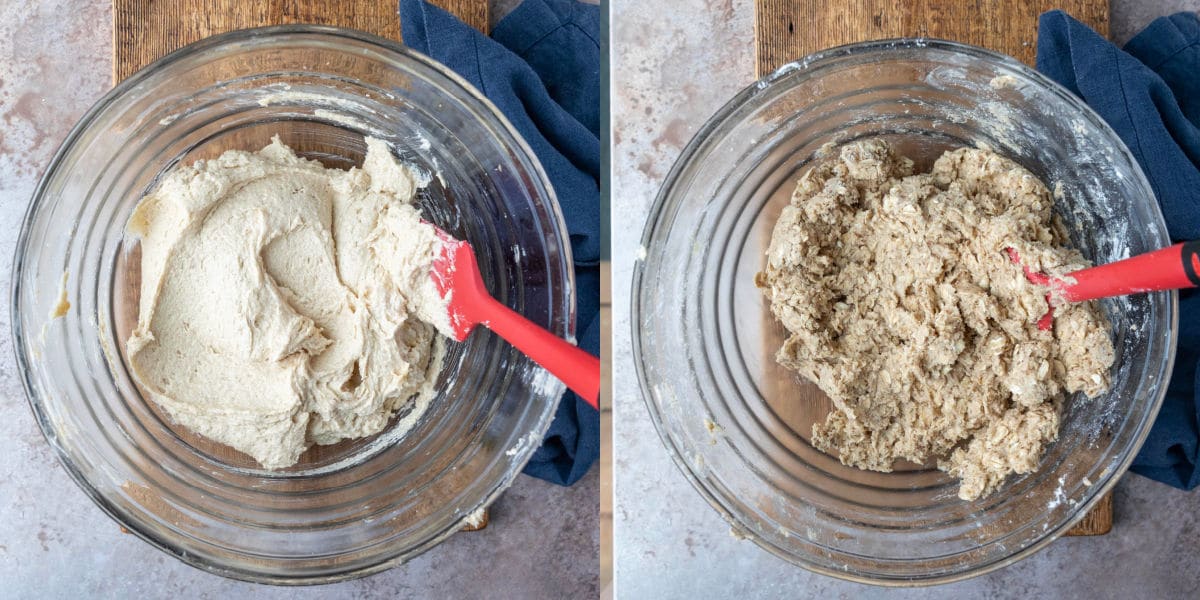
x=145, y=30
x=786, y=30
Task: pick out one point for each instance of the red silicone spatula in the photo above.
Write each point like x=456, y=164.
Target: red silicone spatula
x=1173, y=268
x=456, y=273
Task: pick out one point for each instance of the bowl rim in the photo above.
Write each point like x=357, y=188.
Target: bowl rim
x=653, y=225
x=115, y=94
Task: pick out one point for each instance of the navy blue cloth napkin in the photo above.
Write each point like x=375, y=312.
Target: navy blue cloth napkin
x=541, y=68
x=1150, y=94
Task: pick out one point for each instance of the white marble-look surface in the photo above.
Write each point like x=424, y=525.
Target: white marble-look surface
x=542, y=542
x=671, y=69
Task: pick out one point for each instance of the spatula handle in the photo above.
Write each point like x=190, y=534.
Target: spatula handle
x=575, y=367
x=1172, y=268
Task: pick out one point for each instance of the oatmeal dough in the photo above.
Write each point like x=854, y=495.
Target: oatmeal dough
x=284, y=304
x=904, y=308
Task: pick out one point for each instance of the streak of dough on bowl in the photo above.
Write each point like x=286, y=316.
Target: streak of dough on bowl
x=60, y=308
x=284, y=304
x=903, y=307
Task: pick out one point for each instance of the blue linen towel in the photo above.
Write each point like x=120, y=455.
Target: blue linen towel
x=541, y=68
x=1150, y=95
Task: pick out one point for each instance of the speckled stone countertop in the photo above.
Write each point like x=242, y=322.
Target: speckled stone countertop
x=542, y=542
x=671, y=70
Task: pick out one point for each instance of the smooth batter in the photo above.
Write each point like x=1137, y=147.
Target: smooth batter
x=284, y=304
x=904, y=308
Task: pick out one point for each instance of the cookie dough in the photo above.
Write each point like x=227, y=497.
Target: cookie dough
x=284, y=304
x=903, y=307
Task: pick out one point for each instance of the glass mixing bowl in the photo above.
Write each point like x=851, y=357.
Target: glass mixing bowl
x=739, y=425
x=348, y=509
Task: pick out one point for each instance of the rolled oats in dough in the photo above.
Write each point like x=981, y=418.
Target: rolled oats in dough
x=903, y=307
x=284, y=304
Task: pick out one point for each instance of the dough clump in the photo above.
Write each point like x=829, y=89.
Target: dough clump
x=284, y=304
x=903, y=307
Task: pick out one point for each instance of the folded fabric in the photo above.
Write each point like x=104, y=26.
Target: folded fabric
x=541, y=68
x=1150, y=95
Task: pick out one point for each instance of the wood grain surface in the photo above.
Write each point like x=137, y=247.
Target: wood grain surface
x=145, y=30
x=787, y=30
x=1097, y=521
